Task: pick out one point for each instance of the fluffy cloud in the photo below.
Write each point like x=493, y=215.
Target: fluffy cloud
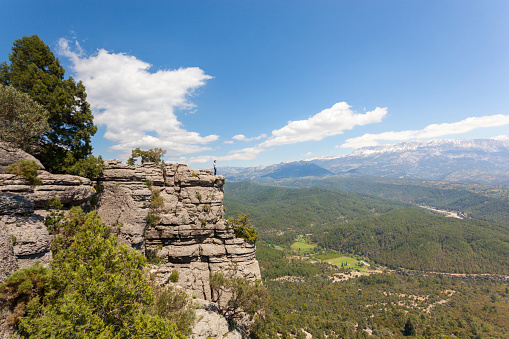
x=501, y=137
x=431, y=131
x=242, y=137
x=329, y=122
x=136, y=105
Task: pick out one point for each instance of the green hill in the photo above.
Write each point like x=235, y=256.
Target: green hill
x=415, y=239
x=279, y=214
x=388, y=232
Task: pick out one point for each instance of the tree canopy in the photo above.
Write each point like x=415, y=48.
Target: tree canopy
x=22, y=120
x=152, y=155
x=35, y=70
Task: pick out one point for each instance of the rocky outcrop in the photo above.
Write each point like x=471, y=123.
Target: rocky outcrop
x=11, y=155
x=7, y=258
x=188, y=231
x=22, y=207
x=190, y=236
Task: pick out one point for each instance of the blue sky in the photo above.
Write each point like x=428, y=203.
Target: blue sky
x=259, y=82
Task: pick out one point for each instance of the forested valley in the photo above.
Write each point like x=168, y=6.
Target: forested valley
x=350, y=265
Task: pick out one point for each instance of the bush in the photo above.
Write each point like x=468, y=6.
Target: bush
x=26, y=169
x=174, y=304
x=89, y=167
x=242, y=227
x=236, y=295
x=22, y=286
x=97, y=288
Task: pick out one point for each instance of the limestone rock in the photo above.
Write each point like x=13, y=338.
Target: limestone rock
x=210, y=324
x=11, y=155
x=191, y=236
x=32, y=239
x=7, y=257
x=11, y=203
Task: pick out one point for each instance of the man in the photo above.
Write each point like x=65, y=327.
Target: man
x=215, y=169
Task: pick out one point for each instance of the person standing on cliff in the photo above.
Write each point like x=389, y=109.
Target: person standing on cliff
x=215, y=169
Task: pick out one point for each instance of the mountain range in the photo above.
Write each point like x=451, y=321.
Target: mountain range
x=483, y=161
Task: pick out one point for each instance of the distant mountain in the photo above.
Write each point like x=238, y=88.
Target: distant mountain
x=481, y=160
x=298, y=169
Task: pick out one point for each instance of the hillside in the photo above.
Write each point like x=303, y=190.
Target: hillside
x=488, y=203
x=279, y=214
x=390, y=233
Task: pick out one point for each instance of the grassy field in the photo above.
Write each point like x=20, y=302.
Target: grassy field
x=347, y=262
x=302, y=246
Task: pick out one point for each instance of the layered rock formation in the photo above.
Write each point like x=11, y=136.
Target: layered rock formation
x=22, y=207
x=190, y=236
x=171, y=211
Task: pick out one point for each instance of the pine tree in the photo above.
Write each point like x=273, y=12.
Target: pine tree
x=34, y=70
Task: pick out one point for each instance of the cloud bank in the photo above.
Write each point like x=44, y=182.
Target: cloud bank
x=430, y=131
x=329, y=122
x=136, y=105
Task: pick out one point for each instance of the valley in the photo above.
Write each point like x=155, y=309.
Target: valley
x=344, y=264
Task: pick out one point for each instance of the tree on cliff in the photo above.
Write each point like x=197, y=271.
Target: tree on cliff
x=22, y=120
x=34, y=70
x=152, y=155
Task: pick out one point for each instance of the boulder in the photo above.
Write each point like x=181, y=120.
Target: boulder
x=11, y=155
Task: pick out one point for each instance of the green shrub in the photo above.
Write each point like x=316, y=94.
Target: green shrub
x=26, y=169
x=96, y=289
x=89, y=167
x=20, y=288
x=174, y=276
x=175, y=305
x=155, y=207
x=245, y=297
x=242, y=228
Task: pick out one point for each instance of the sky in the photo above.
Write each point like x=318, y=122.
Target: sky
x=251, y=83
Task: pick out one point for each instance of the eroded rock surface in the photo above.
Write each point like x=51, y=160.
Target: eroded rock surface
x=191, y=236
x=22, y=211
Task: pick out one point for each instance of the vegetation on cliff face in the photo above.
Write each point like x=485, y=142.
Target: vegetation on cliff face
x=27, y=169
x=96, y=287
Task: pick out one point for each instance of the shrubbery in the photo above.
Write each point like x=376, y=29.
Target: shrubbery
x=26, y=169
x=242, y=228
x=152, y=155
x=96, y=287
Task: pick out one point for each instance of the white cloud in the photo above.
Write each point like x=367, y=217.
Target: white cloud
x=136, y=105
x=242, y=137
x=329, y=122
x=430, y=131
x=249, y=153
x=230, y=142
x=501, y=137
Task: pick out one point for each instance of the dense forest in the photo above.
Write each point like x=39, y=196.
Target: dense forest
x=389, y=233
x=488, y=203
x=378, y=305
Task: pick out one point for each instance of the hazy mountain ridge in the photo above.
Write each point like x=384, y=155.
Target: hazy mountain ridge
x=479, y=160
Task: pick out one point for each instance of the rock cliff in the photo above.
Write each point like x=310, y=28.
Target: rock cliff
x=190, y=236
x=185, y=229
